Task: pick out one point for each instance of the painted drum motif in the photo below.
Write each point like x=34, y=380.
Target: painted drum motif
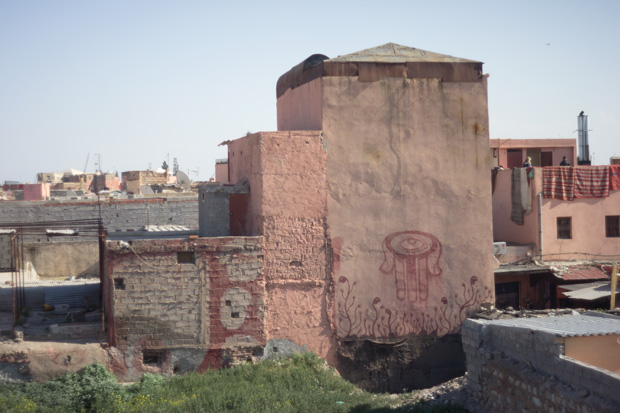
x=412, y=257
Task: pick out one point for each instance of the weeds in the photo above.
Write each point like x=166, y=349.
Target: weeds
x=303, y=383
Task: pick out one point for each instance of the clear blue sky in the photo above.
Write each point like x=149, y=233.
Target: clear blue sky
x=138, y=81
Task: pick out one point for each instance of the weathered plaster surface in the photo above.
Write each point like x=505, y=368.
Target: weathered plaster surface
x=213, y=306
x=407, y=158
x=300, y=108
x=288, y=190
x=57, y=259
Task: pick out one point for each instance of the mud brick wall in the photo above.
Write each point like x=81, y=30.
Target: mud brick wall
x=515, y=369
x=288, y=206
x=117, y=214
x=212, y=302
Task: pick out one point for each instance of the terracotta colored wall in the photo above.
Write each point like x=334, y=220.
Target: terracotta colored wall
x=599, y=351
x=300, y=108
x=286, y=171
x=408, y=173
x=244, y=160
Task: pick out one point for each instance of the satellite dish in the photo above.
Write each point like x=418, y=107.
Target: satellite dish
x=183, y=180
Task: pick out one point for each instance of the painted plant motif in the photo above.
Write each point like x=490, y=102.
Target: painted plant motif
x=412, y=257
x=384, y=322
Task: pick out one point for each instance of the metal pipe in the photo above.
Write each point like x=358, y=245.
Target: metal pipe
x=540, y=227
x=14, y=277
x=23, y=275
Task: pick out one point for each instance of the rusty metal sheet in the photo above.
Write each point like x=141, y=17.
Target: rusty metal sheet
x=371, y=72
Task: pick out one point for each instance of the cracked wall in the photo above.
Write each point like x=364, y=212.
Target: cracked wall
x=206, y=295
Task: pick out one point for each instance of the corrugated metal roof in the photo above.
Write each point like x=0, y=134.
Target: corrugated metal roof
x=593, y=292
x=587, y=324
x=165, y=228
x=583, y=273
x=395, y=53
x=529, y=268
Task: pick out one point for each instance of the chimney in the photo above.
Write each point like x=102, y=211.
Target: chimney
x=584, y=145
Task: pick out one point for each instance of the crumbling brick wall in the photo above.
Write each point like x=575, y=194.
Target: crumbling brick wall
x=205, y=293
x=288, y=199
x=516, y=369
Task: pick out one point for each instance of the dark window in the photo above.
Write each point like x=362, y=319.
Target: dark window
x=119, y=283
x=612, y=226
x=152, y=357
x=185, y=257
x=564, y=230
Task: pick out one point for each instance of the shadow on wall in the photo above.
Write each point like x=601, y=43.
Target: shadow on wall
x=407, y=364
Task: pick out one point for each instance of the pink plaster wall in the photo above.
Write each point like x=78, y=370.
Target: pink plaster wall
x=503, y=227
x=588, y=228
x=37, y=192
x=221, y=173
x=244, y=160
x=408, y=174
x=587, y=216
x=300, y=108
x=288, y=194
x=558, y=147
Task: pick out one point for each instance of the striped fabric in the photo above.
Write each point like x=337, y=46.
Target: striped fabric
x=614, y=177
x=592, y=182
x=559, y=182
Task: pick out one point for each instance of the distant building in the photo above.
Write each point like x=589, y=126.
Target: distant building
x=511, y=153
x=221, y=171
x=133, y=181
x=36, y=192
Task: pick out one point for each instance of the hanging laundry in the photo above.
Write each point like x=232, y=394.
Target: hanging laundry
x=559, y=182
x=521, y=195
x=592, y=181
x=614, y=177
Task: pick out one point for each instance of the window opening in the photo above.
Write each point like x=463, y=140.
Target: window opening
x=564, y=228
x=152, y=357
x=185, y=257
x=119, y=283
x=612, y=226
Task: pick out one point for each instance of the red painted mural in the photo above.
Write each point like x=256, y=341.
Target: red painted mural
x=412, y=258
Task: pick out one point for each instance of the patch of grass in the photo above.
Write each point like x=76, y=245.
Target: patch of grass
x=303, y=383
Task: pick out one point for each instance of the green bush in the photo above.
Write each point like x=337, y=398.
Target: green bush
x=302, y=383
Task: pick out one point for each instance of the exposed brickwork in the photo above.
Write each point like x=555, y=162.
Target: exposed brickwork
x=518, y=369
x=288, y=206
x=295, y=249
x=157, y=302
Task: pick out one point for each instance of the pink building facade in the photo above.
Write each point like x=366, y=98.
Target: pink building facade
x=580, y=228
x=404, y=142
x=358, y=203
x=512, y=153
x=37, y=192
